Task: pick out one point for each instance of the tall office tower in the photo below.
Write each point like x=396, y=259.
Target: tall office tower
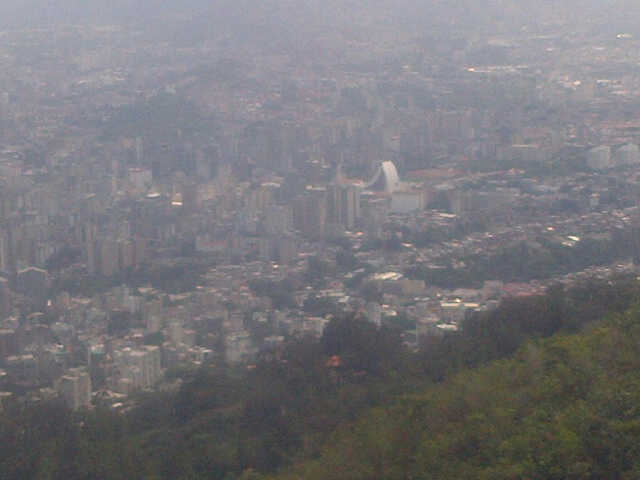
x=109, y=261
x=374, y=215
x=5, y=298
x=374, y=312
x=153, y=360
x=126, y=253
x=343, y=205
x=286, y=249
x=90, y=233
x=8, y=342
x=5, y=251
x=92, y=257
x=139, y=150
x=278, y=219
x=265, y=247
x=261, y=197
x=146, y=363
x=599, y=158
x=75, y=388
x=190, y=198
x=175, y=332
x=224, y=177
x=634, y=240
x=3, y=116
x=33, y=282
x=140, y=250
x=334, y=204
x=153, y=323
x=203, y=165
x=310, y=212
x=140, y=178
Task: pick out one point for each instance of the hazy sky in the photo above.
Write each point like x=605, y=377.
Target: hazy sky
x=483, y=14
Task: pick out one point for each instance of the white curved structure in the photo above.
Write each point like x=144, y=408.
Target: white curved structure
x=385, y=179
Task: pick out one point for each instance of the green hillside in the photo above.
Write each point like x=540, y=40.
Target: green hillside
x=564, y=408
x=503, y=399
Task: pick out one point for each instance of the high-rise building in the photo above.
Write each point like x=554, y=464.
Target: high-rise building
x=140, y=178
x=628, y=154
x=310, y=212
x=139, y=150
x=8, y=342
x=138, y=368
x=109, y=257
x=75, y=388
x=175, y=333
x=374, y=215
x=126, y=253
x=140, y=250
x=286, y=249
x=34, y=283
x=599, y=158
x=374, y=313
x=277, y=220
x=5, y=298
x=343, y=205
x=6, y=260
x=238, y=345
x=407, y=200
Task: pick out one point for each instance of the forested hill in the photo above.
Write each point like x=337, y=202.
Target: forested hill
x=504, y=399
x=564, y=408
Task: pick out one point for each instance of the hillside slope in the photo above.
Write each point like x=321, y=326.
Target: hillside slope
x=567, y=407
x=356, y=404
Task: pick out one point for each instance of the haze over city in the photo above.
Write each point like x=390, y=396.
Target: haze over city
x=235, y=235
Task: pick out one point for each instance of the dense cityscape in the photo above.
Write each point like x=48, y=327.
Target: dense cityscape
x=205, y=193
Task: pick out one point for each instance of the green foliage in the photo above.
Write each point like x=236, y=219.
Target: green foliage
x=562, y=407
x=491, y=335
x=320, y=306
x=317, y=269
x=181, y=276
x=155, y=338
x=346, y=260
x=280, y=292
x=160, y=117
x=524, y=261
x=63, y=258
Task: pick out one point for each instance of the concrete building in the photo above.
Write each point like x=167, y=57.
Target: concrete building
x=427, y=326
x=628, y=154
x=141, y=178
x=374, y=313
x=238, y=346
x=278, y=219
x=5, y=298
x=8, y=342
x=407, y=200
x=286, y=249
x=599, y=158
x=75, y=388
x=34, y=283
x=109, y=257
x=343, y=205
x=138, y=368
x=310, y=212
